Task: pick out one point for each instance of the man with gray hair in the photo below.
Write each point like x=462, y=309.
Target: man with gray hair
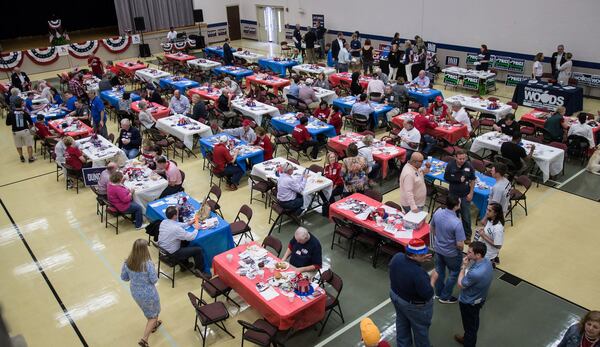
x=460, y=115
x=129, y=140
x=289, y=190
x=179, y=104
x=365, y=149
x=232, y=86
x=304, y=251
x=111, y=168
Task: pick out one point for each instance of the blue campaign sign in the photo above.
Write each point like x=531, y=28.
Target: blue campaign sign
x=91, y=175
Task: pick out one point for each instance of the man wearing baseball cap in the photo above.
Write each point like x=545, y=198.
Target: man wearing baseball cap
x=438, y=108
x=225, y=163
x=411, y=293
x=244, y=133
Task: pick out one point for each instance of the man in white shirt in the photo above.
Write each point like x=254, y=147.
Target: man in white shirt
x=501, y=190
x=170, y=237
x=171, y=35
x=344, y=58
x=365, y=149
x=422, y=81
x=410, y=137
x=583, y=129
x=375, y=89
x=232, y=86
x=460, y=115
x=179, y=104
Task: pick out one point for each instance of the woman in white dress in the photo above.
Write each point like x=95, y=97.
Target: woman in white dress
x=564, y=71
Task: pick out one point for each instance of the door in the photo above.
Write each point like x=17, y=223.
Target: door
x=261, y=24
x=233, y=21
x=279, y=23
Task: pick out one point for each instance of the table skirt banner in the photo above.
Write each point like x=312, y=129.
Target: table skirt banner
x=279, y=67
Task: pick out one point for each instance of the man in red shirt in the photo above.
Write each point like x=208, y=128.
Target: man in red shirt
x=264, y=142
x=41, y=129
x=225, y=163
x=305, y=140
x=422, y=123
x=96, y=65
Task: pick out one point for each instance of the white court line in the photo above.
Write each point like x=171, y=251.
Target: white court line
x=570, y=179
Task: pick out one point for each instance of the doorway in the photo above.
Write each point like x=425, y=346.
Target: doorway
x=233, y=22
x=270, y=23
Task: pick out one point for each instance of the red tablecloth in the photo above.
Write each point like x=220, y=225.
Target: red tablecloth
x=274, y=82
x=334, y=211
x=336, y=78
x=279, y=311
x=539, y=122
x=383, y=159
x=84, y=130
x=449, y=133
x=179, y=57
x=203, y=92
x=129, y=67
x=157, y=111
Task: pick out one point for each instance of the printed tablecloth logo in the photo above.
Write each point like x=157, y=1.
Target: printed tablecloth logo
x=536, y=97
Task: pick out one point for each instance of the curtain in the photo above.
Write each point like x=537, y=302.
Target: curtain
x=158, y=14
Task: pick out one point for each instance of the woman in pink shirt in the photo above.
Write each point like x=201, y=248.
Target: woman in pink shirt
x=120, y=197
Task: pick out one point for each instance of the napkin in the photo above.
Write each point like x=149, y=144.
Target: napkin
x=269, y=294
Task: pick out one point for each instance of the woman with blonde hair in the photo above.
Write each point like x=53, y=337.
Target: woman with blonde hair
x=538, y=67
x=585, y=333
x=138, y=269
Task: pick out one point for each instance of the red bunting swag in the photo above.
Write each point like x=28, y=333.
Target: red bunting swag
x=84, y=49
x=117, y=44
x=43, y=56
x=9, y=61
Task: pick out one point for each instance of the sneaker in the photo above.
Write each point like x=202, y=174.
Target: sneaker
x=22, y=159
x=450, y=300
x=32, y=159
x=143, y=226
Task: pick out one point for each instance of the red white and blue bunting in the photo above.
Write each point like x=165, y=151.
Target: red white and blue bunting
x=9, y=61
x=43, y=56
x=84, y=49
x=54, y=24
x=169, y=47
x=117, y=44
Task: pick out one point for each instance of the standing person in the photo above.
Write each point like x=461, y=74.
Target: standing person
x=460, y=175
x=448, y=242
x=538, y=67
x=98, y=114
x=138, y=270
x=586, y=332
x=20, y=80
x=344, y=58
x=309, y=39
x=501, y=189
x=355, y=46
x=558, y=58
x=96, y=64
x=411, y=293
x=564, y=70
x=475, y=279
x=171, y=35
x=227, y=53
x=336, y=46
x=396, y=40
x=413, y=191
x=321, y=31
x=483, y=59
x=394, y=61
x=492, y=234
x=366, y=53
x=297, y=37
x=20, y=122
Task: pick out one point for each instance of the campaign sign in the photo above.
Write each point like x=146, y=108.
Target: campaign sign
x=452, y=61
x=91, y=175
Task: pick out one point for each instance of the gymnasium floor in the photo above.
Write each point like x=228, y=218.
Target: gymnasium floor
x=60, y=275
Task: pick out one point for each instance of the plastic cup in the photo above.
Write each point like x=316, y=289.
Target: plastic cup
x=291, y=297
x=229, y=258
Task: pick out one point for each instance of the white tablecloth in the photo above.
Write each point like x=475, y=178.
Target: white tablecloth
x=314, y=184
x=312, y=69
x=480, y=105
x=548, y=159
x=256, y=112
x=183, y=132
x=101, y=152
x=468, y=72
x=248, y=56
x=321, y=93
x=151, y=75
x=203, y=64
x=146, y=189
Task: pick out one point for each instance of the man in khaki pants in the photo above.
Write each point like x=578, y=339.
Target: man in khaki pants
x=20, y=121
x=309, y=39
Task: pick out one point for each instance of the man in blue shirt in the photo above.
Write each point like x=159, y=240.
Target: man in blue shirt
x=98, y=114
x=411, y=293
x=304, y=252
x=461, y=178
x=475, y=278
x=69, y=105
x=448, y=241
x=422, y=81
x=294, y=87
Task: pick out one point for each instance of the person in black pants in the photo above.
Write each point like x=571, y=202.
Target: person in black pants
x=227, y=53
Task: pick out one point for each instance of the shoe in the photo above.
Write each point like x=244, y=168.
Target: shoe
x=450, y=300
x=459, y=338
x=316, y=159
x=22, y=159
x=158, y=324
x=143, y=226
x=296, y=219
x=32, y=159
x=200, y=274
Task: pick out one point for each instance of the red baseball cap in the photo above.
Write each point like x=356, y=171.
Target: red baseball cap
x=438, y=98
x=246, y=123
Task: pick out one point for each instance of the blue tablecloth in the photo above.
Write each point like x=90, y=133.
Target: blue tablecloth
x=207, y=145
x=543, y=95
x=114, y=97
x=282, y=125
x=480, y=196
x=276, y=66
x=213, y=241
x=216, y=51
x=51, y=114
x=347, y=102
x=237, y=72
x=182, y=84
x=424, y=97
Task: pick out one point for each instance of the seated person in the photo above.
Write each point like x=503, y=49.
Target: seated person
x=394, y=100
x=305, y=140
x=129, y=140
x=81, y=112
x=321, y=82
x=375, y=89
x=363, y=106
x=583, y=129
x=365, y=150
x=121, y=197
x=150, y=153
x=69, y=105
x=304, y=252
x=144, y=116
x=244, y=133
x=264, y=142
x=438, y=108
x=74, y=158
x=295, y=87
x=199, y=112
x=179, y=104
x=224, y=106
x=257, y=92
x=104, y=178
x=289, y=189
x=323, y=111
x=172, y=174
x=410, y=137
x=232, y=86
x=335, y=119
x=307, y=94
x=422, y=123
x=29, y=106
x=333, y=171
x=556, y=125
x=226, y=163
x=60, y=149
x=421, y=81
x=153, y=94
x=507, y=125
x=170, y=236
x=105, y=83
x=41, y=129
x=460, y=115
x=513, y=151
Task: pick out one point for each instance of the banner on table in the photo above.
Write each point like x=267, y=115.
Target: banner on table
x=9, y=61
x=452, y=60
x=451, y=79
x=91, y=175
x=116, y=44
x=318, y=18
x=43, y=56
x=540, y=98
x=472, y=58
x=84, y=49
x=584, y=79
x=502, y=63
x=514, y=79
x=471, y=82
